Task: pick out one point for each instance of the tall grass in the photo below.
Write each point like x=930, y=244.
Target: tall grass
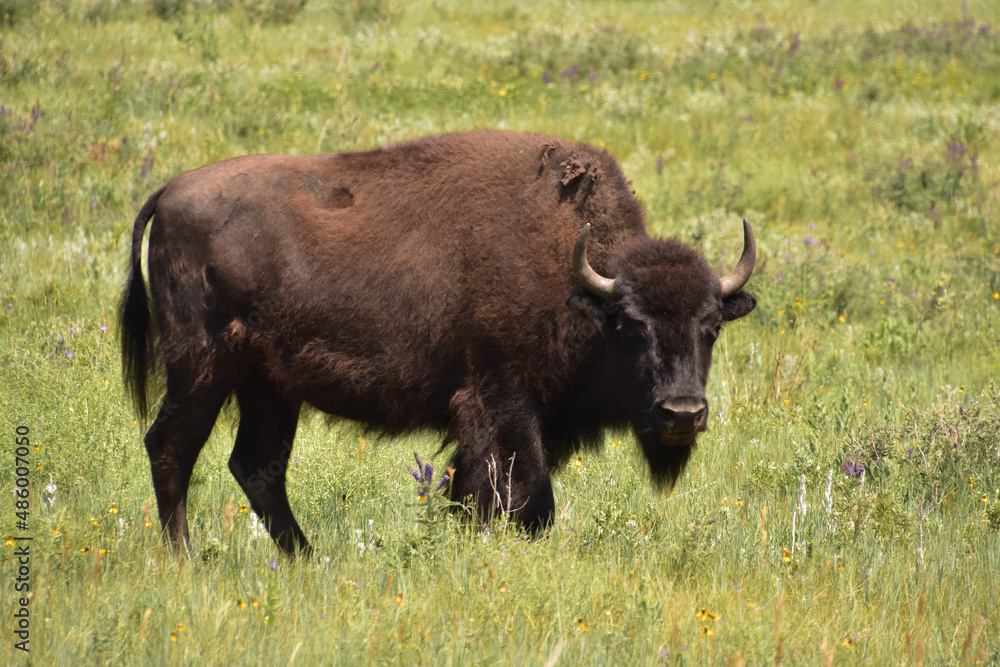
x=845, y=506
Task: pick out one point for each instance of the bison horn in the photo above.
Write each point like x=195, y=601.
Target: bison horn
x=738, y=277
x=595, y=283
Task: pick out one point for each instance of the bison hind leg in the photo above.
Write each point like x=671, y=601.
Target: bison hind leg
x=173, y=442
x=261, y=457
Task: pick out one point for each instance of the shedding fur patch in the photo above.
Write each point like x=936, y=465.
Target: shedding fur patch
x=338, y=197
x=572, y=170
x=236, y=332
x=547, y=149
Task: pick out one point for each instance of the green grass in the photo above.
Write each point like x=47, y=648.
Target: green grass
x=862, y=143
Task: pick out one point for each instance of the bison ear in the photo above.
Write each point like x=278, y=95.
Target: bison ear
x=588, y=306
x=738, y=305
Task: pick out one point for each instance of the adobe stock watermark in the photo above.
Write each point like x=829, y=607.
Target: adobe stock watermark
x=22, y=541
x=240, y=329
x=265, y=475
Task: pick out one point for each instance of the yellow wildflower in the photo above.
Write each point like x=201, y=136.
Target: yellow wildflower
x=705, y=615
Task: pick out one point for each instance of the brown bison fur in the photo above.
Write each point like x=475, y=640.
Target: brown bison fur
x=428, y=284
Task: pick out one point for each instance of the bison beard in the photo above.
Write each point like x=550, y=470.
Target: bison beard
x=497, y=287
x=665, y=463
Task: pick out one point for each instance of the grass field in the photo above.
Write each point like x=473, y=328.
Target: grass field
x=844, y=508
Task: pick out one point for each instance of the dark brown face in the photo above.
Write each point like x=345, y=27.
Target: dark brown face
x=669, y=348
x=667, y=310
x=680, y=409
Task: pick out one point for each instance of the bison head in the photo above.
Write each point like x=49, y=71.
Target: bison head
x=661, y=315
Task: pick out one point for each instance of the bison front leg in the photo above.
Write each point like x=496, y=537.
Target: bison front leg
x=501, y=463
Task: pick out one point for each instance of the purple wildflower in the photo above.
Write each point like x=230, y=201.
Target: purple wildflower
x=955, y=150
x=712, y=520
x=810, y=241
x=796, y=42
x=424, y=476
x=853, y=469
x=147, y=165
x=274, y=565
x=104, y=329
x=570, y=72
x=69, y=355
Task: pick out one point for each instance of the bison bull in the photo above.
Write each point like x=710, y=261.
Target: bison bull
x=498, y=287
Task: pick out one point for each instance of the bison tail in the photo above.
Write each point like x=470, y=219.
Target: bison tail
x=134, y=326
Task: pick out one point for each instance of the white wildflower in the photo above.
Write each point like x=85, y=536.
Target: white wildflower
x=49, y=495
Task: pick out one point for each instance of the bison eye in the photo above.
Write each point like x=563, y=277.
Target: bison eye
x=715, y=331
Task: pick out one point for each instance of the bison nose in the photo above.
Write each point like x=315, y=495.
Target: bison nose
x=685, y=414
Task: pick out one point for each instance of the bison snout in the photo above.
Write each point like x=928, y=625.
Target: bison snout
x=683, y=415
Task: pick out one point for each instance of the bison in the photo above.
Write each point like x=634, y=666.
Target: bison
x=499, y=288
